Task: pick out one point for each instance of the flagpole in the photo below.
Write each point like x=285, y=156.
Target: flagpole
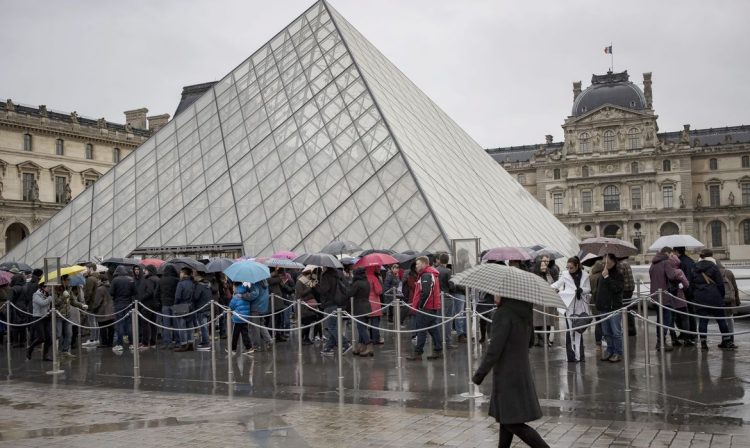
x=611, y=58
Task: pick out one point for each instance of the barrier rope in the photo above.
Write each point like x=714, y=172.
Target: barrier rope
x=242, y=318
x=98, y=327
x=175, y=315
x=208, y=322
x=698, y=305
x=382, y=307
x=673, y=310
x=736, y=333
x=386, y=330
x=27, y=323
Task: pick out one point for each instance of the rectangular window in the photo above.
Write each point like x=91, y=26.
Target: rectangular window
x=746, y=232
x=28, y=186
x=27, y=142
x=557, y=201
x=89, y=151
x=635, y=198
x=714, y=195
x=716, y=234
x=60, y=147
x=745, y=194
x=586, y=201
x=60, y=189
x=668, y=196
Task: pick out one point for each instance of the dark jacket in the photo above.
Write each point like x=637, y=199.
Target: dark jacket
x=514, y=398
x=707, y=293
x=279, y=289
x=168, y=285
x=89, y=288
x=102, y=305
x=327, y=288
x=184, y=291
x=360, y=291
x=687, y=265
x=201, y=295
x=153, y=285
x=609, y=291
x=145, y=289
x=17, y=296
x=122, y=289
x=444, y=274
x=390, y=286
x=660, y=273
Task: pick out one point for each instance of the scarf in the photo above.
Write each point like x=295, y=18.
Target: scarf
x=577, y=280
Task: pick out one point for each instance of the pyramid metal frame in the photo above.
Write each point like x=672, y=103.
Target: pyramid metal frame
x=315, y=136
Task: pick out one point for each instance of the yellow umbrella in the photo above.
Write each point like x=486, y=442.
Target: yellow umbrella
x=70, y=270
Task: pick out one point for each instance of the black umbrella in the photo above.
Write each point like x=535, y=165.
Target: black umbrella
x=321, y=259
x=348, y=260
x=8, y=265
x=184, y=262
x=340, y=247
x=217, y=264
x=114, y=261
x=377, y=251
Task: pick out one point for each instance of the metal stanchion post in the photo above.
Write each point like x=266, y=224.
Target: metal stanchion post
x=644, y=304
x=55, y=361
x=442, y=320
x=299, y=327
x=134, y=341
x=212, y=327
x=340, y=343
x=230, y=339
x=625, y=347
x=659, y=328
x=473, y=391
x=273, y=327
x=8, y=344
x=351, y=320
x=397, y=326
x=545, y=336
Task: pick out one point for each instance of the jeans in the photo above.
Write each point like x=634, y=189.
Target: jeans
x=64, y=334
x=123, y=327
x=375, y=332
x=92, y=322
x=424, y=321
x=667, y=321
x=363, y=332
x=331, y=326
x=703, y=322
x=182, y=336
x=42, y=333
x=202, y=320
x=459, y=304
x=167, y=336
x=612, y=333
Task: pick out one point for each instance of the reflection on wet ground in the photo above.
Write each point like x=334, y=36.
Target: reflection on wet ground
x=692, y=390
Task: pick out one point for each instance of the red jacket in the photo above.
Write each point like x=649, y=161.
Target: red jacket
x=431, y=300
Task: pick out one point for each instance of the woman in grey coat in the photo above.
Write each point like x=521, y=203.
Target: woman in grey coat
x=514, y=401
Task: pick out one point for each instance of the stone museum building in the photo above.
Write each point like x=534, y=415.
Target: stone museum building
x=47, y=158
x=616, y=175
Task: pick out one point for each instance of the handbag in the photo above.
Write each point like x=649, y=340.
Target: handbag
x=580, y=316
x=179, y=309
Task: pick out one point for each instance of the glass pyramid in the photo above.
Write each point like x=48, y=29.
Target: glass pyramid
x=315, y=137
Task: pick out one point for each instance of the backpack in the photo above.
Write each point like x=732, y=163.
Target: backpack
x=729, y=292
x=341, y=297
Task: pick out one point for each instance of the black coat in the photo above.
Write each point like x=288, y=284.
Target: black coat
x=168, y=285
x=514, y=398
x=704, y=292
x=609, y=291
x=122, y=289
x=360, y=291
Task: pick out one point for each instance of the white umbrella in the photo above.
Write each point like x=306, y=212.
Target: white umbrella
x=509, y=282
x=686, y=241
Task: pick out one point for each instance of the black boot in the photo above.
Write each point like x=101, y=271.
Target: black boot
x=704, y=344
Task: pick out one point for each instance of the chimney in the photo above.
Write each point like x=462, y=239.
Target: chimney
x=647, y=89
x=157, y=122
x=576, y=89
x=136, y=118
x=548, y=139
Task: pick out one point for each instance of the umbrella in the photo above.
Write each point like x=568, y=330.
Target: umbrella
x=590, y=259
x=601, y=245
x=218, y=264
x=155, y=262
x=322, y=259
x=5, y=277
x=282, y=263
x=686, y=241
x=247, y=272
x=114, y=261
x=76, y=280
x=288, y=254
x=375, y=259
x=184, y=262
x=8, y=265
x=70, y=270
x=348, y=260
x=506, y=254
x=377, y=251
x=509, y=282
x=552, y=253
x=340, y=247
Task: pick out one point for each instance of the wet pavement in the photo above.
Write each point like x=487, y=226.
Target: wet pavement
x=284, y=398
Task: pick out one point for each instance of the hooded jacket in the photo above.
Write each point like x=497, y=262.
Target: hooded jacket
x=240, y=306
x=89, y=288
x=103, y=306
x=151, y=289
x=168, y=285
x=427, y=290
x=259, y=298
x=201, y=295
x=122, y=289
x=184, y=291
x=707, y=292
x=661, y=274
x=41, y=303
x=359, y=290
x=327, y=287
x=376, y=290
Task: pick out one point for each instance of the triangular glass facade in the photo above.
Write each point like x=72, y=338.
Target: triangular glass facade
x=315, y=137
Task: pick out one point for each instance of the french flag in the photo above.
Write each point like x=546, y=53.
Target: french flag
x=608, y=50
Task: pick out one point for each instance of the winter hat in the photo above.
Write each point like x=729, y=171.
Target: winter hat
x=37, y=273
x=151, y=269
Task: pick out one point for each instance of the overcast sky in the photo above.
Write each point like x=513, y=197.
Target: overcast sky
x=502, y=69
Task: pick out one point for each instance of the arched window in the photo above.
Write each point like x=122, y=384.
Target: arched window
x=116, y=155
x=713, y=164
x=60, y=147
x=522, y=179
x=745, y=231
x=585, y=171
x=609, y=141
x=715, y=227
x=611, y=199
x=584, y=143
x=666, y=165
x=556, y=174
x=634, y=138
x=634, y=167
x=27, y=142
x=89, y=151
x=669, y=228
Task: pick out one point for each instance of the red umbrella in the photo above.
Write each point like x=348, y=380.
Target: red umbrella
x=507, y=254
x=375, y=259
x=155, y=262
x=5, y=277
x=286, y=254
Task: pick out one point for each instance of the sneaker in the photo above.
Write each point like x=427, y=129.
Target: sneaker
x=249, y=351
x=204, y=347
x=606, y=356
x=89, y=343
x=435, y=355
x=327, y=352
x=233, y=352
x=117, y=349
x=615, y=358
x=317, y=338
x=414, y=357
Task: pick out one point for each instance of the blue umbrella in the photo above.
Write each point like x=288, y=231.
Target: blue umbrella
x=76, y=280
x=283, y=263
x=247, y=272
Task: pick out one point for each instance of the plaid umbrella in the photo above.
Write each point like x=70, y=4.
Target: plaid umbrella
x=509, y=282
x=507, y=253
x=601, y=246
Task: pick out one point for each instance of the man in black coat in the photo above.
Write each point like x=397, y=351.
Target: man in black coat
x=451, y=306
x=687, y=265
x=123, y=292
x=147, y=286
x=331, y=298
x=167, y=288
x=17, y=296
x=709, y=290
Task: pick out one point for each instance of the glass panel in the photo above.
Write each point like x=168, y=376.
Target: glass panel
x=368, y=193
x=411, y=212
x=276, y=200
x=310, y=218
x=359, y=174
x=376, y=215
x=393, y=170
x=249, y=202
x=173, y=232
x=335, y=196
x=301, y=179
x=340, y=218
x=387, y=235
x=353, y=156
x=330, y=176
x=225, y=228
x=355, y=232
x=317, y=143
x=258, y=241
x=401, y=191
x=422, y=235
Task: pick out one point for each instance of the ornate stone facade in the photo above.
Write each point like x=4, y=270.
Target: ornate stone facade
x=47, y=158
x=615, y=175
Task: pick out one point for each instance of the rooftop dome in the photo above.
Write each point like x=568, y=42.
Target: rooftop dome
x=612, y=88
